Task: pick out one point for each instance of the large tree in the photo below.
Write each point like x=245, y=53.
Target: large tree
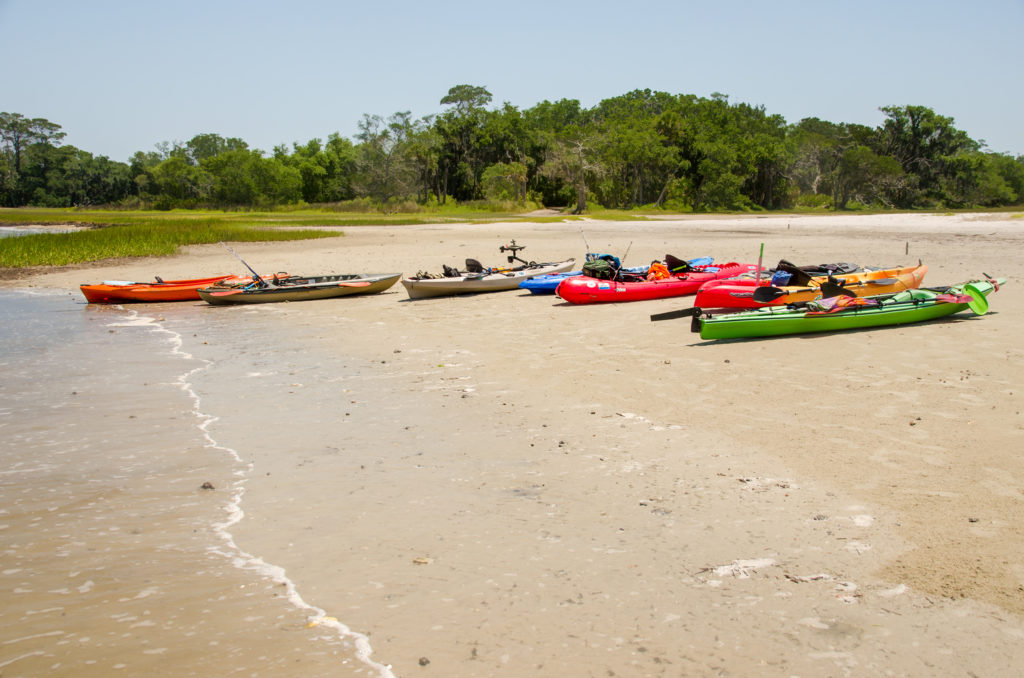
x=203, y=146
x=572, y=158
x=385, y=168
x=923, y=142
x=543, y=124
x=461, y=162
x=17, y=132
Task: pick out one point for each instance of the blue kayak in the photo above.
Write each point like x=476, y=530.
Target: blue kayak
x=547, y=284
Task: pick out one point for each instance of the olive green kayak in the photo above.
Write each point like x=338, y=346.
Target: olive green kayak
x=847, y=313
x=298, y=288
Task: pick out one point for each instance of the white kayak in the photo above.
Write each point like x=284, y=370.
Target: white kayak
x=469, y=283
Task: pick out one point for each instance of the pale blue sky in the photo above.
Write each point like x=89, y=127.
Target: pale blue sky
x=121, y=76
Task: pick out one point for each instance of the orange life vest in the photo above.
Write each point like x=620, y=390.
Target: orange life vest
x=658, y=271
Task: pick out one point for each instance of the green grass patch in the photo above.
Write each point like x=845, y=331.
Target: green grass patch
x=157, y=238
x=114, y=234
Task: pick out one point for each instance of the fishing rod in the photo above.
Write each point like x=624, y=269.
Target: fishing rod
x=622, y=261
x=585, y=243
x=254, y=273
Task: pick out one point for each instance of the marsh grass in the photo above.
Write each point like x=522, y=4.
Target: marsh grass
x=144, y=238
x=113, y=234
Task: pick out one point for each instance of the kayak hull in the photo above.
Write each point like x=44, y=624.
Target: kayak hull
x=300, y=288
x=739, y=293
x=117, y=292
x=909, y=306
x=547, y=284
x=422, y=288
x=586, y=290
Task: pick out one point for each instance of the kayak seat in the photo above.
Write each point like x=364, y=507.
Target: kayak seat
x=474, y=266
x=799, y=276
x=677, y=265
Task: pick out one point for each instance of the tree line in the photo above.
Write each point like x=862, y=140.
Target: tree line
x=641, y=149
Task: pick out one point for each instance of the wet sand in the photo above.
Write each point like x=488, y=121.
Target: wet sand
x=504, y=484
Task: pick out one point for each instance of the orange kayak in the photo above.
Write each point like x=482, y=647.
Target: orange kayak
x=120, y=292
x=746, y=293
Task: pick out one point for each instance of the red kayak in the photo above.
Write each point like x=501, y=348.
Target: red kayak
x=586, y=290
x=120, y=291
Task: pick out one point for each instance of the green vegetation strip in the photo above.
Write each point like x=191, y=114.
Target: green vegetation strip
x=118, y=233
x=143, y=239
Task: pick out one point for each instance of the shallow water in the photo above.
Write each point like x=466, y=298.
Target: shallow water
x=115, y=557
x=15, y=231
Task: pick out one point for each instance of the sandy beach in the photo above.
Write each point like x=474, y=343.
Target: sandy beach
x=507, y=485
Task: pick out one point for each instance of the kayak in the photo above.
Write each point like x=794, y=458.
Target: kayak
x=844, y=312
x=297, y=288
x=122, y=291
x=746, y=293
x=420, y=287
x=547, y=284
x=586, y=290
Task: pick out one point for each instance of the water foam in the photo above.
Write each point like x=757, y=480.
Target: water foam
x=239, y=558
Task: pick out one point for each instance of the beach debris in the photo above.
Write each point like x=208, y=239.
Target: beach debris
x=803, y=579
x=847, y=592
x=766, y=484
x=207, y=486
x=741, y=569
x=897, y=590
x=316, y=621
x=424, y=661
x=421, y=560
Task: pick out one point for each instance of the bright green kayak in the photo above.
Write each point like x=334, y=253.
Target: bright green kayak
x=842, y=313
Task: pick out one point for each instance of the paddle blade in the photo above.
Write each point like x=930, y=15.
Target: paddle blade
x=361, y=283
x=833, y=289
x=978, y=303
x=224, y=293
x=764, y=295
x=670, y=315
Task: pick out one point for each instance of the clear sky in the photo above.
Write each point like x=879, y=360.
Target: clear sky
x=121, y=76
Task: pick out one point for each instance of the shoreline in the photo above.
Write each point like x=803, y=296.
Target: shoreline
x=592, y=491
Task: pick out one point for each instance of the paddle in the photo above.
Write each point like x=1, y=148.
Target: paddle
x=978, y=303
x=684, y=313
x=224, y=293
x=832, y=288
x=358, y=283
x=767, y=294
